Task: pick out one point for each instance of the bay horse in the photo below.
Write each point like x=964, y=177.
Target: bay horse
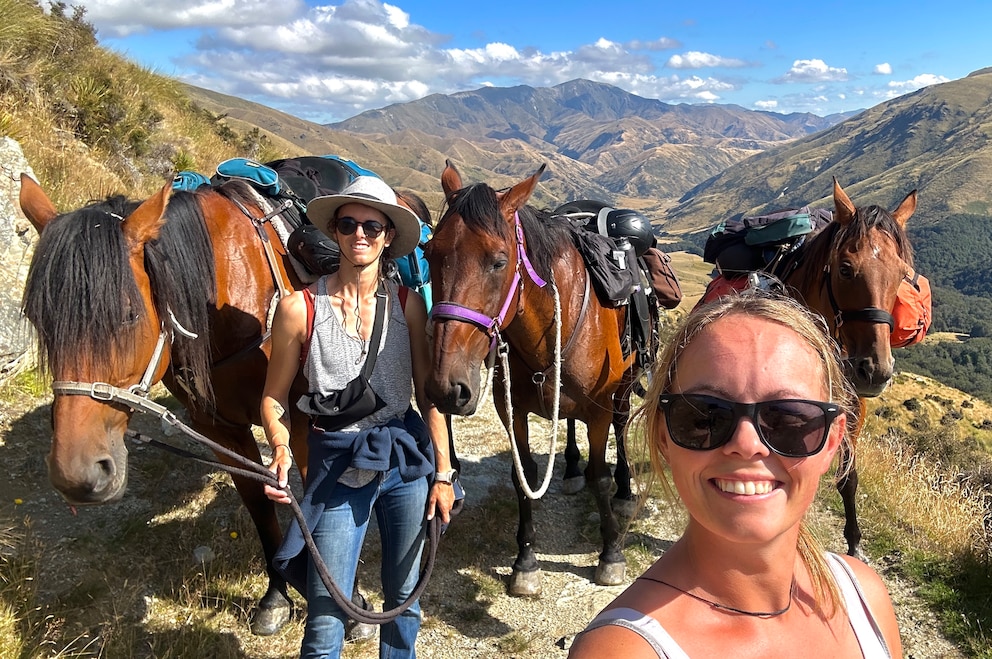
x=849, y=272
x=175, y=288
x=494, y=262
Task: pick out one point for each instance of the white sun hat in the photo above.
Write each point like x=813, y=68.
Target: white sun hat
x=370, y=191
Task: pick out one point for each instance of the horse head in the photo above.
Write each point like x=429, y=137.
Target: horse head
x=475, y=262
x=89, y=298
x=868, y=257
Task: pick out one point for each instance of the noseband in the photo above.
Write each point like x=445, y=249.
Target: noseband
x=489, y=325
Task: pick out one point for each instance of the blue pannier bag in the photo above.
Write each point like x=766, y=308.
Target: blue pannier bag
x=189, y=181
x=261, y=176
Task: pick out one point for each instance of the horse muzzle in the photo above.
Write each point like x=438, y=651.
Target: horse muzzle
x=869, y=377
x=88, y=475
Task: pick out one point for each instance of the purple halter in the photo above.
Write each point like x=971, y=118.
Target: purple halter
x=492, y=326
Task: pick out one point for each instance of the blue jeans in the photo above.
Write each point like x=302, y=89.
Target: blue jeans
x=340, y=533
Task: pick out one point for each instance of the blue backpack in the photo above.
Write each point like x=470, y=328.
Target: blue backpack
x=413, y=269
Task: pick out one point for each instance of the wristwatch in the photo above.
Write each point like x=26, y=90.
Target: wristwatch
x=449, y=476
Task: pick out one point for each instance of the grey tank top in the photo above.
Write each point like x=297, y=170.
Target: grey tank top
x=335, y=358
x=863, y=623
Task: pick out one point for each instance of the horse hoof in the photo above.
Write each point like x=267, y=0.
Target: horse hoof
x=573, y=485
x=269, y=620
x=857, y=553
x=525, y=584
x=359, y=631
x=610, y=574
x=624, y=508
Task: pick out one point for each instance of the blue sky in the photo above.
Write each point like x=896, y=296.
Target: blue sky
x=327, y=60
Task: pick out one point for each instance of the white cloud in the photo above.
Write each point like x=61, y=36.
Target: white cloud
x=920, y=81
x=813, y=70
x=124, y=17
x=898, y=88
x=766, y=105
x=884, y=69
x=696, y=60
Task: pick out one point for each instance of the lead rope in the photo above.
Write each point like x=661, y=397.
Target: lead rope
x=505, y=361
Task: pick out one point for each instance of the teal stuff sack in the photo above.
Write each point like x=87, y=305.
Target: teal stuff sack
x=261, y=176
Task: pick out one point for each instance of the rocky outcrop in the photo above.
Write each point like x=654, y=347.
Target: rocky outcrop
x=17, y=240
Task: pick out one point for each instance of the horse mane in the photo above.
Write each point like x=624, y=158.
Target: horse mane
x=546, y=238
x=82, y=297
x=833, y=235
x=180, y=266
x=80, y=294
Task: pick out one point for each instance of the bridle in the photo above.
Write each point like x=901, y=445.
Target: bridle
x=492, y=326
x=866, y=315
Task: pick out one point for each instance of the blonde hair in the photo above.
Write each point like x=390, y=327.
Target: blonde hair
x=647, y=421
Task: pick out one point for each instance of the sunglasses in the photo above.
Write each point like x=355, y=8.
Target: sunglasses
x=371, y=228
x=793, y=428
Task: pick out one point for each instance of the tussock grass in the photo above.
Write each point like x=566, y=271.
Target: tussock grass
x=939, y=509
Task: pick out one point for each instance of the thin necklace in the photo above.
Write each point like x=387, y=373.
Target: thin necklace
x=358, y=326
x=724, y=607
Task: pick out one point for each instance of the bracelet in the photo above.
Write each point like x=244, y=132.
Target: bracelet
x=275, y=446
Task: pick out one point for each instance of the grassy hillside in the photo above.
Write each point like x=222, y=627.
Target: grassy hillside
x=92, y=123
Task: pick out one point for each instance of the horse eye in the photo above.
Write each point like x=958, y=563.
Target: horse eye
x=500, y=263
x=846, y=271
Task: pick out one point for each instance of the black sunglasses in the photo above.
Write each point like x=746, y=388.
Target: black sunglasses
x=793, y=428
x=371, y=228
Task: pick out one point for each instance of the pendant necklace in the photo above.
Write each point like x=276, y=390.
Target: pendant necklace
x=358, y=327
x=724, y=607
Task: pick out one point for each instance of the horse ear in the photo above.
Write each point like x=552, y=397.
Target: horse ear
x=451, y=180
x=905, y=210
x=146, y=221
x=518, y=195
x=35, y=204
x=844, y=207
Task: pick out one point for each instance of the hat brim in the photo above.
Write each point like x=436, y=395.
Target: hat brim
x=321, y=212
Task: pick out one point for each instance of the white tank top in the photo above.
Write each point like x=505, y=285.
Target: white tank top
x=865, y=628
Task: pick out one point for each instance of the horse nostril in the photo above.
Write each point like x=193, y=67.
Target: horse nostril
x=462, y=394
x=102, y=475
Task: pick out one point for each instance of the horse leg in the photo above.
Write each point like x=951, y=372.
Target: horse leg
x=275, y=607
x=612, y=564
x=526, y=578
x=848, y=488
x=624, y=501
x=847, y=485
x=575, y=480
x=455, y=464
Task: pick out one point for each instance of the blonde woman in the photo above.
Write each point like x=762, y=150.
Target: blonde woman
x=747, y=408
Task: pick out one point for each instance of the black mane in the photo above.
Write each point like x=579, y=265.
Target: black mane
x=834, y=235
x=545, y=236
x=83, y=300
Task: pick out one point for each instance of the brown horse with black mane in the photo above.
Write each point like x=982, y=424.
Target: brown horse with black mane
x=508, y=278
x=177, y=288
x=850, y=272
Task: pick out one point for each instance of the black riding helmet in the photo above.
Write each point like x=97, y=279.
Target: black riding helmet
x=613, y=222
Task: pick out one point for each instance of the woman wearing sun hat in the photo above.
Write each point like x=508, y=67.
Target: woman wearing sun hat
x=377, y=455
